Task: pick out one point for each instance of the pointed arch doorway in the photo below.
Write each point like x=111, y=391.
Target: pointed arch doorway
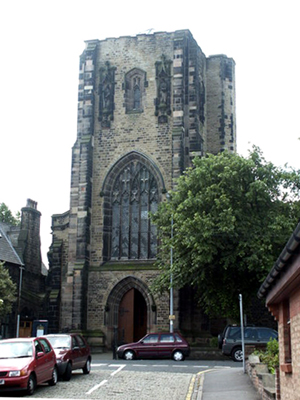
x=130, y=311
x=132, y=317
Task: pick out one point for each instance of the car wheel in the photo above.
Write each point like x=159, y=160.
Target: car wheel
x=68, y=372
x=129, y=355
x=87, y=368
x=237, y=354
x=31, y=385
x=53, y=380
x=178, y=355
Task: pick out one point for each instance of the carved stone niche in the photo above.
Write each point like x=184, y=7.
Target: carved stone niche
x=106, y=94
x=163, y=85
x=135, y=93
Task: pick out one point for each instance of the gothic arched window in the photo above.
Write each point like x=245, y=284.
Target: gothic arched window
x=134, y=196
x=135, y=83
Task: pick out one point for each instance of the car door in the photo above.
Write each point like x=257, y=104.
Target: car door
x=75, y=353
x=49, y=358
x=41, y=365
x=148, y=347
x=166, y=345
x=251, y=336
x=82, y=351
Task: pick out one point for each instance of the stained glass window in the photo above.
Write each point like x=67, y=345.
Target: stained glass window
x=134, y=196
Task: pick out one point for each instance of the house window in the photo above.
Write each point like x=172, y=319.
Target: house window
x=286, y=363
x=287, y=332
x=134, y=196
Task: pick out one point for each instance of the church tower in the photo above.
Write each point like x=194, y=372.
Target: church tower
x=147, y=105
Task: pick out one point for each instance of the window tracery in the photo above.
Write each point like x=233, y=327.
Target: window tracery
x=134, y=196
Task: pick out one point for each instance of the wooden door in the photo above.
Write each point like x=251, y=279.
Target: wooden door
x=25, y=329
x=132, y=317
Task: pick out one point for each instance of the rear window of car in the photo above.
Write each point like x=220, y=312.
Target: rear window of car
x=234, y=332
x=167, y=338
x=178, y=338
x=80, y=341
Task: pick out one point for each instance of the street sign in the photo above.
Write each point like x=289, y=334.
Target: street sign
x=171, y=317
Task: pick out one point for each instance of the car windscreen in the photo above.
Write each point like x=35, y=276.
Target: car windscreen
x=15, y=349
x=60, y=342
x=267, y=334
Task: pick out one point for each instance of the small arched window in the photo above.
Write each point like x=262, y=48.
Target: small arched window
x=135, y=83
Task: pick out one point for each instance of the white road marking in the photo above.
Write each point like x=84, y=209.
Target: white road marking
x=161, y=365
x=120, y=367
x=97, y=387
x=118, y=370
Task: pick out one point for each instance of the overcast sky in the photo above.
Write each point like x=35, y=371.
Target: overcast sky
x=41, y=42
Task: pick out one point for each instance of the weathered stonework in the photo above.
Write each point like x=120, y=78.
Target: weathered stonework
x=147, y=105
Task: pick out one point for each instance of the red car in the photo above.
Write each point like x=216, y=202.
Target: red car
x=25, y=363
x=72, y=352
x=156, y=345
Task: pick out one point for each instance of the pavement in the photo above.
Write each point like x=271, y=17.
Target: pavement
x=215, y=384
x=225, y=384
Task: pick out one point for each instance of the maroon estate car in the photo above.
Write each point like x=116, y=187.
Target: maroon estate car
x=72, y=352
x=25, y=363
x=156, y=345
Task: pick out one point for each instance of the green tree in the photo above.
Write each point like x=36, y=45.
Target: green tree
x=231, y=219
x=7, y=291
x=7, y=216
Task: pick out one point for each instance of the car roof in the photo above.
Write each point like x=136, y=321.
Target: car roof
x=20, y=339
x=62, y=334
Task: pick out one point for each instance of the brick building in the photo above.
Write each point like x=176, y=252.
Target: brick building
x=20, y=250
x=146, y=106
x=281, y=289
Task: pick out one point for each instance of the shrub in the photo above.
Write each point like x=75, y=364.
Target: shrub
x=270, y=357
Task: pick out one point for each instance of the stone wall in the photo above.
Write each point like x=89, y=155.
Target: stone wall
x=185, y=107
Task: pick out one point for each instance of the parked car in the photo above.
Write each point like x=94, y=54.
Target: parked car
x=72, y=352
x=156, y=345
x=231, y=343
x=25, y=363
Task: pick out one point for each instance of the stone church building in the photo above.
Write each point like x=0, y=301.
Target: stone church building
x=146, y=106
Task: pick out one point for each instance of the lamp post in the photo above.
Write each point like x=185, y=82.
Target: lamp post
x=242, y=330
x=19, y=300
x=171, y=278
x=171, y=316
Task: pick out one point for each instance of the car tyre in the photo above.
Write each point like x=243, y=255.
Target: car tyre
x=53, y=380
x=237, y=354
x=31, y=384
x=129, y=355
x=178, y=355
x=87, y=368
x=68, y=372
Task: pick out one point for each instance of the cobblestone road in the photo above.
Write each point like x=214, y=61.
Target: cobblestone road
x=125, y=385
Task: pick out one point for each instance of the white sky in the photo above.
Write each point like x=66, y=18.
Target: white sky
x=40, y=44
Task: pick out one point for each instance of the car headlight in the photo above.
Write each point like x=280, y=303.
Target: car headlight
x=21, y=372
x=14, y=373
